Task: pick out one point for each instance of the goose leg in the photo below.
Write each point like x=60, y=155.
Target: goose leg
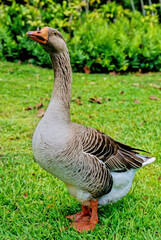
x=86, y=225
x=84, y=214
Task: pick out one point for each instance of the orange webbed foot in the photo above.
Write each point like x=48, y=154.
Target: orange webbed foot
x=87, y=219
x=83, y=226
x=85, y=214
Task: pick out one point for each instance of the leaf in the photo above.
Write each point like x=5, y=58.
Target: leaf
x=28, y=108
x=79, y=102
x=107, y=99
x=153, y=98
x=122, y=92
x=112, y=73
x=50, y=206
x=138, y=74
x=87, y=69
x=40, y=113
x=137, y=85
x=25, y=194
x=47, y=98
x=19, y=62
x=155, y=86
x=145, y=197
x=96, y=100
x=159, y=178
x=122, y=101
x=39, y=105
x=137, y=101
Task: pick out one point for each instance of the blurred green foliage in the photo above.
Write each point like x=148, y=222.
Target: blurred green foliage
x=105, y=37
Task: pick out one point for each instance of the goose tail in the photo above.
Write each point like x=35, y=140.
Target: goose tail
x=147, y=160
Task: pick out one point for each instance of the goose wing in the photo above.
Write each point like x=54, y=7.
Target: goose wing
x=116, y=156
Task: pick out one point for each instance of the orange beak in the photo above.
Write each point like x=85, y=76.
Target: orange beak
x=39, y=36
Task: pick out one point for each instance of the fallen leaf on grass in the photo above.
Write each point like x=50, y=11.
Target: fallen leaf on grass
x=107, y=99
x=50, y=206
x=25, y=195
x=159, y=178
x=87, y=69
x=112, y=73
x=138, y=74
x=145, y=197
x=137, y=101
x=122, y=101
x=153, y=98
x=122, y=92
x=47, y=98
x=155, y=86
x=19, y=62
x=40, y=113
x=28, y=108
x=39, y=105
x=137, y=85
x=96, y=100
x=78, y=101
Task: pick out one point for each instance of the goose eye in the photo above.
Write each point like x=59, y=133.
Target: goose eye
x=55, y=33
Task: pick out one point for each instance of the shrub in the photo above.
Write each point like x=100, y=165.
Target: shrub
x=129, y=44
x=108, y=39
x=7, y=45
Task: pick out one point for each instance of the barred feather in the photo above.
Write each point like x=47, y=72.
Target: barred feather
x=116, y=156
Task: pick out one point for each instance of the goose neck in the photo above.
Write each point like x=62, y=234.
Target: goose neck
x=61, y=95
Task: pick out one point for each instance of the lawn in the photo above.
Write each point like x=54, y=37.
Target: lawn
x=33, y=203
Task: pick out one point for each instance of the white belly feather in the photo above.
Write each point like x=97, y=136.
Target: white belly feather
x=121, y=186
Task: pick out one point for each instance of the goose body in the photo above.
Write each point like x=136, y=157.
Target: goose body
x=58, y=153
x=96, y=169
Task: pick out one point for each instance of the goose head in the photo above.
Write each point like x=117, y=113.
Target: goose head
x=50, y=39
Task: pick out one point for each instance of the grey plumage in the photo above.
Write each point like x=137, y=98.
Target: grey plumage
x=86, y=159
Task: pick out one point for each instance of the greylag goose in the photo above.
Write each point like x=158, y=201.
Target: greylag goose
x=96, y=169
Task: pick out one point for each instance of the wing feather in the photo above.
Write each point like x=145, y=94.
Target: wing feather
x=117, y=156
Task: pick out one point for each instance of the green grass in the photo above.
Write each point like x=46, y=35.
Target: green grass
x=33, y=204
